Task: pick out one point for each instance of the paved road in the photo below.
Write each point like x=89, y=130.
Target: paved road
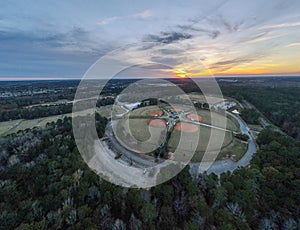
x=221, y=166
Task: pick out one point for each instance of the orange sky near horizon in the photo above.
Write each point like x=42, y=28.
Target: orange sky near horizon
x=283, y=62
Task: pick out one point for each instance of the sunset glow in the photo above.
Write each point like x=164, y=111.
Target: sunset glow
x=181, y=73
x=228, y=38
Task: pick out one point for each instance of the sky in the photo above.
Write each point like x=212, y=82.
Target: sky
x=62, y=39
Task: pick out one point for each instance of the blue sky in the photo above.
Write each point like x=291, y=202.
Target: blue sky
x=48, y=39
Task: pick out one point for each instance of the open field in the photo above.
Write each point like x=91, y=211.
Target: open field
x=145, y=111
x=106, y=110
x=14, y=126
x=203, y=99
x=202, y=144
x=136, y=124
x=218, y=119
x=138, y=136
x=8, y=127
x=236, y=150
x=63, y=101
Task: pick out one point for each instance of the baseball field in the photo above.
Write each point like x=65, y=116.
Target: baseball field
x=144, y=129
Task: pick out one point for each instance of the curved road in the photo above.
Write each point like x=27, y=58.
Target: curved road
x=128, y=155
x=218, y=167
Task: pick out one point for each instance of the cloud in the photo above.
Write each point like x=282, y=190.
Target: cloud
x=230, y=63
x=224, y=23
x=170, y=61
x=235, y=61
x=260, y=38
x=211, y=33
x=45, y=53
x=212, y=25
x=282, y=25
x=76, y=40
x=167, y=37
x=143, y=15
x=256, y=37
x=294, y=44
x=106, y=21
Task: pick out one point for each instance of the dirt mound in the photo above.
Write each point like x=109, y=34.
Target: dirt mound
x=156, y=113
x=158, y=123
x=186, y=127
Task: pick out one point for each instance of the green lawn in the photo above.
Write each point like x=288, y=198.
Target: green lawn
x=135, y=134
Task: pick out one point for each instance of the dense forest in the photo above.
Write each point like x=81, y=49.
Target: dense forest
x=44, y=183
x=251, y=116
x=281, y=105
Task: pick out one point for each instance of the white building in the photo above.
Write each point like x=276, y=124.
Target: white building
x=226, y=105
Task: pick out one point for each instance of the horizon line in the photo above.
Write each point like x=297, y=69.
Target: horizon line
x=207, y=76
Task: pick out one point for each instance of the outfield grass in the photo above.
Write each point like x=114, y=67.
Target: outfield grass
x=218, y=119
x=148, y=138
x=233, y=124
x=202, y=145
x=135, y=124
x=236, y=148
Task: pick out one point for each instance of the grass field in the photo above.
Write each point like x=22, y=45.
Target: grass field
x=132, y=132
x=202, y=98
x=108, y=110
x=218, y=119
x=144, y=111
x=135, y=124
x=6, y=126
x=202, y=143
x=14, y=126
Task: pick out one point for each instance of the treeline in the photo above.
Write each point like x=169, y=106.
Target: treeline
x=280, y=105
x=105, y=101
x=45, y=110
x=22, y=101
x=35, y=112
x=44, y=184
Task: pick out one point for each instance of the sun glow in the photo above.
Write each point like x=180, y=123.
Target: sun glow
x=180, y=73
